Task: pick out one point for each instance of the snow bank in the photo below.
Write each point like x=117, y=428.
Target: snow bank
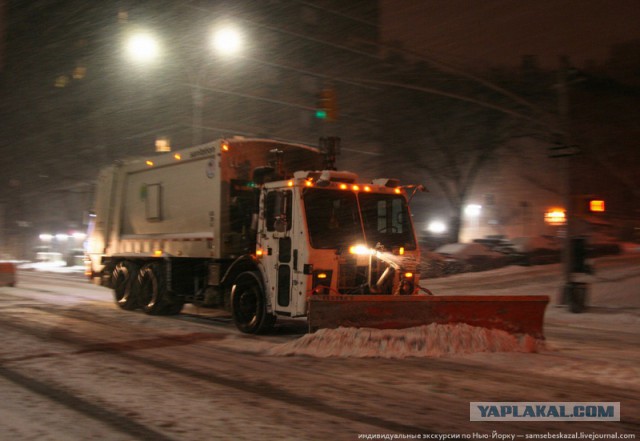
x=425, y=341
x=529, y=244
x=466, y=250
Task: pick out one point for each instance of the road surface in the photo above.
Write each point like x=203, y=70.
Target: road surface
x=75, y=367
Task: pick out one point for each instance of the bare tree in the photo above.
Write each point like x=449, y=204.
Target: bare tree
x=447, y=139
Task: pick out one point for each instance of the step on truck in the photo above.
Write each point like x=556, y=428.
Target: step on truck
x=270, y=229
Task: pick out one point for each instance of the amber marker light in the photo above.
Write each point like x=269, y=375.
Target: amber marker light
x=177, y=156
x=596, y=205
x=355, y=188
x=555, y=216
x=343, y=186
x=397, y=191
x=259, y=252
x=157, y=253
x=149, y=163
x=290, y=184
x=408, y=275
x=367, y=188
x=225, y=147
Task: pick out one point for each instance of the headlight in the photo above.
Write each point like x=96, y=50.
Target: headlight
x=360, y=250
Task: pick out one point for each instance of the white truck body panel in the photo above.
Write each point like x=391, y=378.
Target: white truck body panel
x=182, y=204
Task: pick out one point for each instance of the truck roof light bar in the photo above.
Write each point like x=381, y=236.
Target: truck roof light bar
x=391, y=183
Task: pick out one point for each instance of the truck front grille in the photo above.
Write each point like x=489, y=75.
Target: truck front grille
x=352, y=279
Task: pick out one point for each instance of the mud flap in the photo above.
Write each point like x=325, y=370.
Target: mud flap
x=514, y=314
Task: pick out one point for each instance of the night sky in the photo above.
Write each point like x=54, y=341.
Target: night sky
x=491, y=33
x=56, y=136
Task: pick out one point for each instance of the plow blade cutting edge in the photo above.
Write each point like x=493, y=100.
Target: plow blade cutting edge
x=514, y=314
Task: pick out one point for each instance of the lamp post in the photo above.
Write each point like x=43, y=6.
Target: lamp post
x=144, y=48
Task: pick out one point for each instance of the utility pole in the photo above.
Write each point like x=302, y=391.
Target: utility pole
x=573, y=293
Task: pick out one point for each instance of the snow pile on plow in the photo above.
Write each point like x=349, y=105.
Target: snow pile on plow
x=432, y=340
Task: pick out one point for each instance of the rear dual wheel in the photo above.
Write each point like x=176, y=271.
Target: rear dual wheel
x=124, y=280
x=154, y=296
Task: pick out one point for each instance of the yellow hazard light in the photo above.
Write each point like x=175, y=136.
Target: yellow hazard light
x=321, y=275
x=149, y=163
x=157, y=253
x=355, y=188
x=308, y=183
x=408, y=275
x=177, y=156
x=225, y=147
x=367, y=188
x=401, y=251
x=596, y=205
x=343, y=186
x=259, y=252
x=290, y=183
x=397, y=191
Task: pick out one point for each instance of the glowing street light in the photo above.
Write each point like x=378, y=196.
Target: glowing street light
x=227, y=40
x=142, y=47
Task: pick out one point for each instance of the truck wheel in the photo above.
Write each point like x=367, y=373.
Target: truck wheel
x=125, y=285
x=155, y=298
x=248, y=305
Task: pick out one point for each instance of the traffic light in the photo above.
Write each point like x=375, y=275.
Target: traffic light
x=326, y=108
x=596, y=206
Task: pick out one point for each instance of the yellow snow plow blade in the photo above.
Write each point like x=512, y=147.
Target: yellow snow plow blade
x=514, y=314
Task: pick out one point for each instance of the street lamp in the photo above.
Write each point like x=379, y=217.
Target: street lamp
x=142, y=47
x=227, y=40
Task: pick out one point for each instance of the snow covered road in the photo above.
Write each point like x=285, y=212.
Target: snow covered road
x=74, y=367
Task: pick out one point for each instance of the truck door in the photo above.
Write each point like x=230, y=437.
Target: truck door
x=278, y=248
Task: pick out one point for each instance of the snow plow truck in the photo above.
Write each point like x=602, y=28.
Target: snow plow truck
x=270, y=229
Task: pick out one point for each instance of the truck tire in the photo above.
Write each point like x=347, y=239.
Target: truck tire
x=124, y=281
x=248, y=305
x=155, y=298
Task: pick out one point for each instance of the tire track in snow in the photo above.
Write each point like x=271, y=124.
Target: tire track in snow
x=116, y=421
x=259, y=388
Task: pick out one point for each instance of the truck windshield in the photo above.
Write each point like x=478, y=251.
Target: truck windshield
x=386, y=220
x=333, y=219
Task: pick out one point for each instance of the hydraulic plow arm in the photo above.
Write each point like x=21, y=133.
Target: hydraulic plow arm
x=514, y=314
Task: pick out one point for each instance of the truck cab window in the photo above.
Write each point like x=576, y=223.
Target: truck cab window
x=278, y=209
x=332, y=218
x=386, y=220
